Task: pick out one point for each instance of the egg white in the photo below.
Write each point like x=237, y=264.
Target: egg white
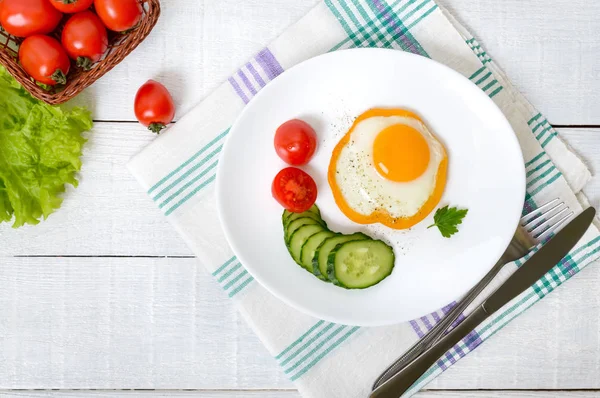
x=365, y=190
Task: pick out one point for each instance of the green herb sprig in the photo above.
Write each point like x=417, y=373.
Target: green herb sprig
x=447, y=219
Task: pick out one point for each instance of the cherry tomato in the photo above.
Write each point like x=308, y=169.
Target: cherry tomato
x=154, y=106
x=23, y=18
x=44, y=59
x=295, y=142
x=85, y=38
x=71, y=6
x=294, y=190
x=119, y=15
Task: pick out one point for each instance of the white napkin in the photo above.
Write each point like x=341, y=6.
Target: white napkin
x=327, y=360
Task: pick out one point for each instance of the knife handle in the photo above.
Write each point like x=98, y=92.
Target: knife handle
x=404, y=379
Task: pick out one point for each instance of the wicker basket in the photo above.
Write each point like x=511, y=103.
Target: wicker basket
x=120, y=45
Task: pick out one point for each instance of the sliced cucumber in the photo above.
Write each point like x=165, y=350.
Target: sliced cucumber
x=307, y=214
x=294, y=225
x=322, y=252
x=299, y=238
x=315, y=209
x=284, y=217
x=286, y=213
x=310, y=247
x=360, y=264
x=351, y=261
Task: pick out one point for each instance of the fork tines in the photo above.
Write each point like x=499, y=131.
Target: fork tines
x=546, y=219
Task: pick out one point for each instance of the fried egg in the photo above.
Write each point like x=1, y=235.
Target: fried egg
x=389, y=169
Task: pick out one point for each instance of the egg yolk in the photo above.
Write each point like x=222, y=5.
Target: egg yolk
x=400, y=153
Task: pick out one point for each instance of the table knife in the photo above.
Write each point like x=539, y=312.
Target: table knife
x=530, y=272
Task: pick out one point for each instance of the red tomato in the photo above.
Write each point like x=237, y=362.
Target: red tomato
x=295, y=142
x=154, y=106
x=24, y=18
x=44, y=59
x=294, y=189
x=85, y=39
x=71, y=6
x=119, y=15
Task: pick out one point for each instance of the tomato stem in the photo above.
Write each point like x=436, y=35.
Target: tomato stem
x=156, y=127
x=84, y=63
x=59, y=77
x=68, y=1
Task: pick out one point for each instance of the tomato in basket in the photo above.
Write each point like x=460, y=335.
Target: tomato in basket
x=119, y=15
x=44, y=59
x=85, y=38
x=71, y=6
x=23, y=18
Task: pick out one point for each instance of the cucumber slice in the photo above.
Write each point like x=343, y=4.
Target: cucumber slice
x=294, y=225
x=284, y=217
x=299, y=238
x=360, y=264
x=307, y=214
x=322, y=252
x=315, y=209
x=286, y=213
x=310, y=247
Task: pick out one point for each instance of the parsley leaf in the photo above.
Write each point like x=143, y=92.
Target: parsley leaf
x=447, y=219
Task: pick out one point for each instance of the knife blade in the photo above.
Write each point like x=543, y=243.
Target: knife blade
x=529, y=273
x=541, y=262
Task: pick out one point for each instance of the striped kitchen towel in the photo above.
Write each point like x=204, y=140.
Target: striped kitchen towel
x=178, y=172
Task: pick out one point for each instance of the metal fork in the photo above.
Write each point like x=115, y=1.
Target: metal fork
x=534, y=227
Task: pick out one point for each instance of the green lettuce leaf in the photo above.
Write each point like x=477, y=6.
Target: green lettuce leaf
x=40, y=150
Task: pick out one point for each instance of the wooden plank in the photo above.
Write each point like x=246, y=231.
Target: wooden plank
x=109, y=214
x=547, y=48
x=586, y=143
x=164, y=323
x=288, y=394
x=124, y=323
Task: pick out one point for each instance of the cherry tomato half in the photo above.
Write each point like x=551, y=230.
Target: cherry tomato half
x=295, y=142
x=85, y=38
x=119, y=15
x=294, y=190
x=71, y=6
x=154, y=106
x=44, y=59
x=24, y=18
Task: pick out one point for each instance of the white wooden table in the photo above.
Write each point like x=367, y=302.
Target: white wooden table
x=106, y=296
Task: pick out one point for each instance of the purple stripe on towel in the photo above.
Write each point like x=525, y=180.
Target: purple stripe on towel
x=247, y=82
x=417, y=328
x=447, y=308
x=426, y=322
x=238, y=90
x=401, y=30
x=472, y=341
x=567, y=265
x=257, y=77
x=268, y=63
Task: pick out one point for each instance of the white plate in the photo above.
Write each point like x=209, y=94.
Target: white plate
x=486, y=176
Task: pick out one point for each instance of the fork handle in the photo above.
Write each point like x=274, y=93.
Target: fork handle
x=437, y=332
x=403, y=380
